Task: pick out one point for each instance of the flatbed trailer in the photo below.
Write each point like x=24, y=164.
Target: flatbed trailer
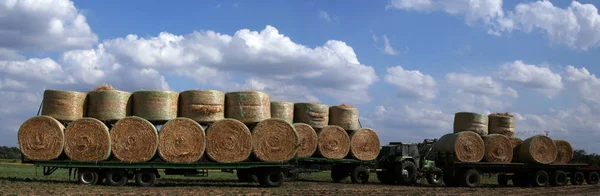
x=521, y=174
x=357, y=170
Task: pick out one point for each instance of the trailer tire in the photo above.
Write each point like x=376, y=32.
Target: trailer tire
x=339, y=173
x=145, y=178
x=471, y=178
x=385, y=178
x=271, y=178
x=434, y=177
x=540, y=179
x=88, y=176
x=559, y=178
x=592, y=178
x=502, y=179
x=411, y=171
x=289, y=175
x=577, y=178
x=360, y=175
x=116, y=177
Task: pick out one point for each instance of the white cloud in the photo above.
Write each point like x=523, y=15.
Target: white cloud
x=532, y=76
x=43, y=25
x=10, y=55
x=412, y=83
x=467, y=83
x=388, y=48
x=485, y=10
x=587, y=83
x=324, y=15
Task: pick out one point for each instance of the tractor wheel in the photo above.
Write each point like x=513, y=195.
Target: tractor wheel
x=449, y=179
x=434, y=177
x=408, y=173
x=592, y=178
x=577, y=178
x=540, y=179
x=558, y=178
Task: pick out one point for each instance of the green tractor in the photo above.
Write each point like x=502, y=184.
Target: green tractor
x=408, y=164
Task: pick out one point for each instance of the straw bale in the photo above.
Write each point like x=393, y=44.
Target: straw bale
x=63, y=105
x=274, y=140
x=333, y=142
x=516, y=142
x=538, y=149
x=181, y=140
x=283, y=110
x=155, y=105
x=467, y=146
x=498, y=148
x=468, y=121
x=308, y=139
x=502, y=123
x=41, y=138
x=247, y=106
x=364, y=144
x=134, y=139
x=87, y=139
x=104, y=87
x=313, y=114
x=203, y=106
x=228, y=140
x=109, y=105
x=565, y=151
x=345, y=116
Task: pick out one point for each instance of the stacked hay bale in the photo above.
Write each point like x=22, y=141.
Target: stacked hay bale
x=108, y=104
x=466, y=146
x=181, y=140
x=314, y=114
x=516, y=143
x=498, y=148
x=87, y=139
x=203, y=106
x=307, y=139
x=64, y=106
x=538, y=149
x=283, y=110
x=41, y=138
x=564, y=151
x=274, y=140
x=345, y=116
x=468, y=121
x=249, y=107
x=228, y=140
x=364, y=144
x=156, y=106
x=134, y=139
x=333, y=142
x=504, y=124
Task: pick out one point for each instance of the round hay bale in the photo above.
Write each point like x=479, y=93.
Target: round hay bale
x=228, y=140
x=333, y=142
x=468, y=121
x=109, y=105
x=181, y=140
x=283, y=110
x=516, y=142
x=502, y=123
x=313, y=114
x=364, y=144
x=498, y=148
x=538, y=149
x=247, y=106
x=565, y=151
x=345, y=116
x=87, y=139
x=64, y=105
x=134, y=139
x=308, y=139
x=203, y=106
x=155, y=105
x=466, y=146
x=274, y=140
x=41, y=138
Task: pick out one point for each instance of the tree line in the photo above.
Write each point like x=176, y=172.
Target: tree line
x=10, y=152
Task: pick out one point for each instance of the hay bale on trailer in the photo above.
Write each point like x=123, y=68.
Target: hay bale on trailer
x=181, y=140
x=466, y=146
x=345, y=116
x=134, y=139
x=314, y=114
x=468, y=121
x=538, y=149
x=203, y=106
x=274, y=140
x=498, y=148
x=283, y=110
x=87, y=139
x=64, y=106
x=307, y=137
x=41, y=138
x=333, y=142
x=228, y=140
x=157, y=106
x=564, y=151
x=516, y=143
x=247, y=106
x=364, y=144
x=108, y=104
x=502, y=123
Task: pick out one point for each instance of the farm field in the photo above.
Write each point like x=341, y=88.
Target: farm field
x=19, y=179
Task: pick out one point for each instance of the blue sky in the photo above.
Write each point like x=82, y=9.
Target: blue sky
x=407, y=65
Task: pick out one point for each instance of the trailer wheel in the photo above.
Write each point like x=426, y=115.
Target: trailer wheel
x=116, y=177
x=338, y=173
x=558, y=178
x=145, y=178
x=577, y=178
x=592, y=178
x=87, y=176
x=271, y=178
x=289, y=175
x=360, y=175
x=434, y=177
x=502, y=179
x=540, y=179
x=472, y=178
x=385, y=177
x=245, y=175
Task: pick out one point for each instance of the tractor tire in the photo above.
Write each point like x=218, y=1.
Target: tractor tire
x=577, y=178
x=449, y=179
x=502, y=179
x=385, y=177
x=558, y=178
x=540, y=179
x=339, y=173
x=472, y=178
x=592, y=178
x=434, y=177
x=408, y=173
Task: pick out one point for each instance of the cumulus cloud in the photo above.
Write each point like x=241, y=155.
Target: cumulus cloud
x=411, y=83
x=484, y=10
x=532, y=76
x=587, y=83
x=467, y=83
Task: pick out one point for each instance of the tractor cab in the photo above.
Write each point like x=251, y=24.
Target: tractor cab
x=399, y=151
x=407, y=163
